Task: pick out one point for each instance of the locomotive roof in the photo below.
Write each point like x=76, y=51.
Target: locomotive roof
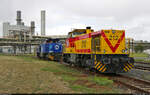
x=78, y=30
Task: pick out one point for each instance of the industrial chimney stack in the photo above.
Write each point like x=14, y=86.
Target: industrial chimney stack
x=43, y=23
x=18, y=18
x=32, y=28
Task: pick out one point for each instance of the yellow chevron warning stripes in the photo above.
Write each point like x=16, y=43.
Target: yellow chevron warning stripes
x=132, y=65
x=125, y=69
x=129, y=66
x=102, y=67
x=99, y=66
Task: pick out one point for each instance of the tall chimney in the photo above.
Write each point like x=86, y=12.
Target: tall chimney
x=18, y=18
x=43, y=22
x=32, y=28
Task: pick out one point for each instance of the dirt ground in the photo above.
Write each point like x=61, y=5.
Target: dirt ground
x=24, y=76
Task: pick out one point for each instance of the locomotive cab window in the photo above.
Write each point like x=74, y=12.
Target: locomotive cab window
x=74, y=34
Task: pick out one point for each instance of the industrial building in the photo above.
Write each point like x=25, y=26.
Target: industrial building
x=18, y=31
x=21, y=39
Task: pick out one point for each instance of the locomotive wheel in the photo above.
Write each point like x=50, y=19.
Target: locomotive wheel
x=92, y=69
x=83, y=63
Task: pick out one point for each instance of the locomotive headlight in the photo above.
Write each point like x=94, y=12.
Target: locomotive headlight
x=126, y=50
x=104, y=51
x=123, y=51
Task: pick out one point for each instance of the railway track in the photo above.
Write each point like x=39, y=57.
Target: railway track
x=141, y=86
x=137, y=85
x=139, y=62
x=142, y=67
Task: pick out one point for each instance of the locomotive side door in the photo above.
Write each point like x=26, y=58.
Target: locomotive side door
x=95, y=46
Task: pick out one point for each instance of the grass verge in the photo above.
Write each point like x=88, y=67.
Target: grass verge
x=102, y=81
x=75, y=79
x=142, y=60
x=79, y=82
x=139, y=55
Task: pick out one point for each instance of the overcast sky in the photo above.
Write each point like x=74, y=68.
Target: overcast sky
x=64, y=15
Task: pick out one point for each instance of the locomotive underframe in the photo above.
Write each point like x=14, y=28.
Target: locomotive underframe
x=101, y=62
x=50, y=56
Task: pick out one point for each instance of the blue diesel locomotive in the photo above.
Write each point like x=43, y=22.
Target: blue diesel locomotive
x=51, y=49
